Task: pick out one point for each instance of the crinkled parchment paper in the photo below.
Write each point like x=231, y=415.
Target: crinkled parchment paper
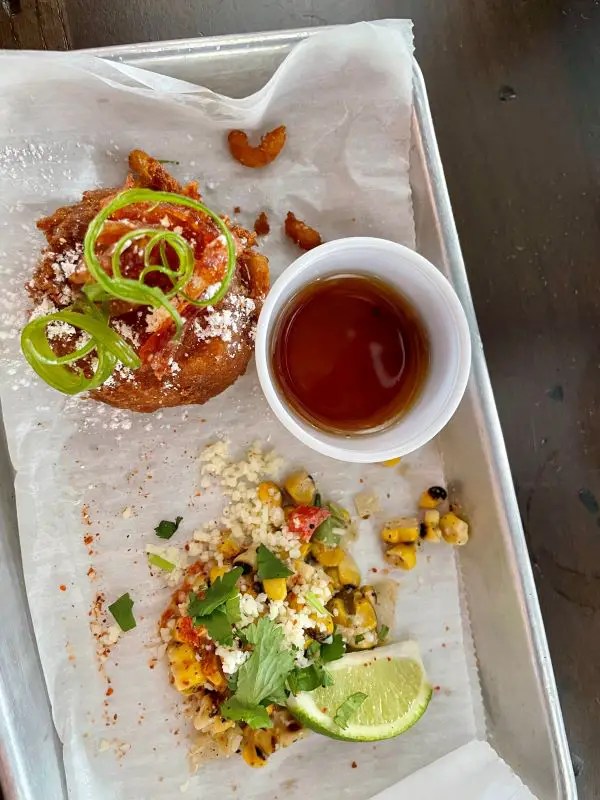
x=85, y=470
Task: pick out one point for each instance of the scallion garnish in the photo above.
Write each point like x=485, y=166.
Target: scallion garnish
x=109, y=347
x=135, y=290
x=314, y=601
x=121, y=610
x=158, y=561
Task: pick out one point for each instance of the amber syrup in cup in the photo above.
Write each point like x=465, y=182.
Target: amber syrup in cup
x=350, y=354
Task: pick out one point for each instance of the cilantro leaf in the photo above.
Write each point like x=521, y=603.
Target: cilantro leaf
x=261, y=678
x=308, y=678
x=232, y=609
x=269, y=566
x=334, y=650
x=219, y=627
x=349, y=707
x=254, y=715
x=121, y=610
x=165, y=529
x=222, y=590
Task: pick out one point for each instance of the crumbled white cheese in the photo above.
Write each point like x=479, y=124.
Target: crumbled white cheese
x=232, y=658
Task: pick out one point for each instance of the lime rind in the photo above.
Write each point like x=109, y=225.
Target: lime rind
x=315, y=710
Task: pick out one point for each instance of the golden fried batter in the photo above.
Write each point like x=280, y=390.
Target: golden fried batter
x=216, y=344
x=269, y=147
x=302, y=234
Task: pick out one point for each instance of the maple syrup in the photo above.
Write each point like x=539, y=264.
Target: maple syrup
x=350, y=353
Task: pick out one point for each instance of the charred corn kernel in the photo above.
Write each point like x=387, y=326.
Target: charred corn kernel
x=275, y=588
x=324, y=627
x=432, y=497
x=454, y=529
x=269, y=493
x=402, y=555
x=257, y=746
x=220, y=725
x=301, y=488
x=327, y=556
x=218, y=572
x=403, y=529
x=339, y=613
x=246, y=559
x=187, y=673
x=295, y=603
x=348, y=571
x=430, y=530
x=364, y=615
x=229, y=548
x=304, y=549
x=391, y=462
x=334, y=577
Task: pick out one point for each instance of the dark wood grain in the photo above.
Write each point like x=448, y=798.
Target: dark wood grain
x=34, y=25
x=515, y=95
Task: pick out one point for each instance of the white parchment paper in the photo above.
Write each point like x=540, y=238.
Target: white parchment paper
x=66, y=124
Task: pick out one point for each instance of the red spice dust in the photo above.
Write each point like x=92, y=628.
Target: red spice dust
x=62, y=587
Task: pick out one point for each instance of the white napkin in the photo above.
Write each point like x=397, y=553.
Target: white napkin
x=472, y=772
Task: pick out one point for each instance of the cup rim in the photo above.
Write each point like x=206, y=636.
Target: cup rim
x=311, y=436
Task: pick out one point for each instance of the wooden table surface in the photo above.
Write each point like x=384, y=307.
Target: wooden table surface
x=515, y=91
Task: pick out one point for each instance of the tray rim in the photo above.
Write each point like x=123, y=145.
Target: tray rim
x=525, y=588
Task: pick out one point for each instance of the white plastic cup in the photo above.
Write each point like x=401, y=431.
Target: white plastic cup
x=440, y=310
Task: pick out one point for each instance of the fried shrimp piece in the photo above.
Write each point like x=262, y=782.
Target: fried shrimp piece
x=302, y=234
x=271, y=144
x=261, y=224
x=152, y=175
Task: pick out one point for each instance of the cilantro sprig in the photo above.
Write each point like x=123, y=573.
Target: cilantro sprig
x=269, y=566
x=219, y=609
x=165, y=528
x=348, y=708
x=261, y=679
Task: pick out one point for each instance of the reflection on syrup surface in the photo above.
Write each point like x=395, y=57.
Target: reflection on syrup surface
x=350, y=353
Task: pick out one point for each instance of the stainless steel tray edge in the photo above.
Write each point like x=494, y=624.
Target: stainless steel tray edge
x=497, y=449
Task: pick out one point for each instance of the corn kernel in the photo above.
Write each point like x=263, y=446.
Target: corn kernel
x=304, y=549
x=229, y=548
x=187, y=673
x=339, y=612
x=431, y=526
x=270, y=494
x=217, y=572
x=275, y=588
x=327, y=556
x=365, y=616
x=402, y=555
x=348, y=571
x=454, y=529
x=301, y=488
x=391, y=462
x=432, y=497
x=403, y=529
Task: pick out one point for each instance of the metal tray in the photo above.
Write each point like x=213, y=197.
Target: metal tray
x=523, y=716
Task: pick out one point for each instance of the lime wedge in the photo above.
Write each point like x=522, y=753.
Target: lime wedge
x=395, y=684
